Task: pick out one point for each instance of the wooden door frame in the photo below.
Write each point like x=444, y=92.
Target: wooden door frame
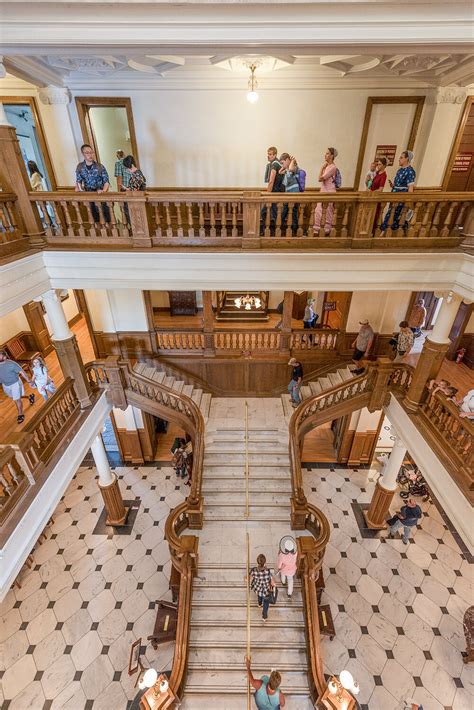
x=84, y=103
x=374, y=100
x=454, y=345
x=31, y=102
x=457, y=141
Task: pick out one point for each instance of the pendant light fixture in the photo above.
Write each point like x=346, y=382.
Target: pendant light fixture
x=252, y=94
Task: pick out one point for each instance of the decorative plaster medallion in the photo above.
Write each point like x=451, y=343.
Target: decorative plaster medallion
x=451, y=95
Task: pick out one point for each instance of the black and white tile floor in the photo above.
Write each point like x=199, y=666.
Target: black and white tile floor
x=397, y=608
x=66, y=634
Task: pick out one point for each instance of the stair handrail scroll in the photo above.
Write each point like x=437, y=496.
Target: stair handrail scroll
x=125, y=386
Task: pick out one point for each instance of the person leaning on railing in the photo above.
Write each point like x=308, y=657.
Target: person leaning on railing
x=268, y=695
x=91, y=176
x=404, y=182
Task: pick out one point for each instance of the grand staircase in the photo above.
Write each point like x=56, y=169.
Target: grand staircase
x=325, y=382
x=230, y=313
x=201, y=398
x=216, y=670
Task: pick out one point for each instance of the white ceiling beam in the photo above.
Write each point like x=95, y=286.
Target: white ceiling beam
x=33, y=71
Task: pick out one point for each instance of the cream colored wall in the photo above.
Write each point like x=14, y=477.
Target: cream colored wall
x=12, y=324
x=439, y=140
x=100, y=311
x=390, y=124
x=470, y=324
x=384, y=309
x=128, y=310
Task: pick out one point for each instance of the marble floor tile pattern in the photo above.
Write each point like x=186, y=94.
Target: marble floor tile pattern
x=66, y=634
x=397, y=608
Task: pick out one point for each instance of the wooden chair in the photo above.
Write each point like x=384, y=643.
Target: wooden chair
x=17, y=351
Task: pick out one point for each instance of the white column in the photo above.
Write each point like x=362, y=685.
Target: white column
x=444, y=322
x=388, y=480
x=57, y=317
x=106, y=476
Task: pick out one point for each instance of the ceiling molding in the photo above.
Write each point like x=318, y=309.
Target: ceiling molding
x=32, y=71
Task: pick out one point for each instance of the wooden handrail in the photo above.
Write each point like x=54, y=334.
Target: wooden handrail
x=229, y=219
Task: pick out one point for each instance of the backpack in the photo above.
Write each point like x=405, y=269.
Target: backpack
x=338, y=179
x=301, y=178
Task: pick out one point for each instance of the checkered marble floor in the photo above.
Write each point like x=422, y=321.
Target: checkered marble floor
x=397, y=608
x=66, y=634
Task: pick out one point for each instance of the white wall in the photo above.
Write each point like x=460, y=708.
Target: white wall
x=12, y=324
x=439, y=140
x=128, y=310
x=384, y=309
x=110, y=127
x=100, y=311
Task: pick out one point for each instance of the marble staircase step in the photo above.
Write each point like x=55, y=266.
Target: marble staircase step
x=187, y=390
x=232, y=458
x=235, y=681
x=315, y=387
x=196, y=396
x=239, y=435
x=254, y=447
x=237, y=485
x=212, y=472
x=178, y=386
x=234, y=584
x=169, y=381
x=238, y=701
x=233, y=594
x=258, y=499
x=277, y=644
x=345, y=374
x=306, y=391
x=335, y=378
x=280, y=614
x=237, y=514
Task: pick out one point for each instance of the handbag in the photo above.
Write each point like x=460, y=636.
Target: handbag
x=274, y=595
x=392, y=521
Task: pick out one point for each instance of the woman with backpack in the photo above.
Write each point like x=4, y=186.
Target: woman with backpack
x=330, y=179
x=291, y=182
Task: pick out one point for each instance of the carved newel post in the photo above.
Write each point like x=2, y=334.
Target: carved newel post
x=386, y=486
x=66, y=347
x=109, y=486
x=434, y=351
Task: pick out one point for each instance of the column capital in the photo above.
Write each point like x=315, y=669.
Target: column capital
x=54, y=95
x=451, y=95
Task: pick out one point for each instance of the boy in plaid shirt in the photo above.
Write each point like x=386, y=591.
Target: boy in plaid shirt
x=262, y=582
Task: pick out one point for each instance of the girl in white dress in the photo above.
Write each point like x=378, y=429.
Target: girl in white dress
x=41, y=378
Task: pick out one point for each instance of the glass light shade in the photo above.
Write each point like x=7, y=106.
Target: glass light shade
x=258, y=303
x=237, y=302
x=164, y=685
x=347, y=681
x=355, y=688
x=142, y=685
x=248, y=306
x=332, y=687
x=252, y=97
x=150, y=677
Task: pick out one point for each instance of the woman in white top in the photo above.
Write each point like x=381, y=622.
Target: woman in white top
x=467, y=405
x=36, y=178
x=41, y=378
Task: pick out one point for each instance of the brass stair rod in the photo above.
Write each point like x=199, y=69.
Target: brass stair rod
x=246, y=460
x=248, y=617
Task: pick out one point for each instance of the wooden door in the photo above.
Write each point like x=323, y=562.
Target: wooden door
x=336, y=316
x=300, y=299
x=459, y=326
x=431, y=301
x=459, y=175
x=34, y=315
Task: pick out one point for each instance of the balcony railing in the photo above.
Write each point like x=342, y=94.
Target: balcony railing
x=234, y=219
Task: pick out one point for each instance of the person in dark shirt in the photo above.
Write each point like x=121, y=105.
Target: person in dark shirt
x=296, y=381
x=407, y=519
x=91, y=176
x=274, y=180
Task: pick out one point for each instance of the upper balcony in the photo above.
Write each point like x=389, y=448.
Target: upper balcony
x=233, y=220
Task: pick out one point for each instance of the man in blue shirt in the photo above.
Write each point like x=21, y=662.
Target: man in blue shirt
x=407, y=519
x=404, y=182
x=91, y=176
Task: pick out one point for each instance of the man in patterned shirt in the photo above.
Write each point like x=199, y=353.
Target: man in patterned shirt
x=262, y=582
x=404, y=182
x=91, y=176
x=122, y=175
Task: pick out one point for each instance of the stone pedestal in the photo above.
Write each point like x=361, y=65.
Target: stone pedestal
x=116, y=511
x=379, y=506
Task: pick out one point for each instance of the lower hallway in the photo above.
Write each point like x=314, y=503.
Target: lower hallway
x=397, y=609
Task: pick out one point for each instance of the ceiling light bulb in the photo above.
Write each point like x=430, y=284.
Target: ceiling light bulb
x=252, y=97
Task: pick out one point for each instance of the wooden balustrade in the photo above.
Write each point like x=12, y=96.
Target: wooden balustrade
x=180, y=341
x=14, y=482
x=454, y=436
x=12, y=237
x=311, y=339
x=246, y=219
x=195, y=216
x=247, y=341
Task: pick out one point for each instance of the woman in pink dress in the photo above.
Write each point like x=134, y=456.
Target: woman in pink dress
x=327, y=178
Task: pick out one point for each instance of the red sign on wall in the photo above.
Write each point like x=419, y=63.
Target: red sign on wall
x=462, y=163
x=386, y=151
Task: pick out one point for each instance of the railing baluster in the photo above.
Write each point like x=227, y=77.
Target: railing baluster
x=169, y=224
x=212, y=220
x=180, y=232
x=189, y=209
x=202, y=227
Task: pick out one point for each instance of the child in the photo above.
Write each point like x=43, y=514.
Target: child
x=287, y=562
x=41, y=378
x=369, y=178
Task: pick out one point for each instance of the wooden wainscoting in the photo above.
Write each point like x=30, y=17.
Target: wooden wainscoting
x=362, y=448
